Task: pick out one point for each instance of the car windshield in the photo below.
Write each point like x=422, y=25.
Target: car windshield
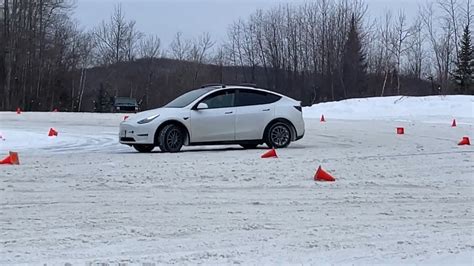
x=187, y=98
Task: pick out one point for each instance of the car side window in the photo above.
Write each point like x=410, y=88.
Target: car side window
x=220, y=99
x=247, y=97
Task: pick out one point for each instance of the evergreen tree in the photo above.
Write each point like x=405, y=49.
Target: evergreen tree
x=354, y=64
x=103, y=102
x=463, y=75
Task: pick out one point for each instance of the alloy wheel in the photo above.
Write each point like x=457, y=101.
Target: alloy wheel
x=174, y=139
x=280, y=135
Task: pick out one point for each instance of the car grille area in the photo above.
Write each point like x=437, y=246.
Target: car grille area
x=129, y=134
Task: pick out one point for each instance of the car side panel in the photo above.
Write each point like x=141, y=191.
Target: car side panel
x=212, y=125
x=250, y=121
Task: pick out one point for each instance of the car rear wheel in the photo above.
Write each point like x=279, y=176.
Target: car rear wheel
x=278, y=136
x=144, y=147
x=171, y=138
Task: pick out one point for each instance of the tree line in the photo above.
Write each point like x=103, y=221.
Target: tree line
x=316, y=51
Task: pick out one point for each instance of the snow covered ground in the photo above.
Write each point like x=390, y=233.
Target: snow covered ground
x=398, y=199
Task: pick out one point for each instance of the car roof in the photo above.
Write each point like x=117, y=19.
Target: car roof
x=214, y=88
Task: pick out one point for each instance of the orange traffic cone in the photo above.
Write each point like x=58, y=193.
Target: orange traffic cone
x=400, y=130
x=322, y=118
x=52, y=132
x=270, y=154
x=322, y=175
x=18, y=110
x=454, y=123
x=465, y=141
x=12, y=158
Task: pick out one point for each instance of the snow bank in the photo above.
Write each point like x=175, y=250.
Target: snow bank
x=430, y=108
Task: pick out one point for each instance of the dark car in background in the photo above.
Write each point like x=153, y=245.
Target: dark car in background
x=125, y=104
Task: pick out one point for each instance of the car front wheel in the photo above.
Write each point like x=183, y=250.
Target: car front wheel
x=278, y=136
x=171, y=138
x=144, y=147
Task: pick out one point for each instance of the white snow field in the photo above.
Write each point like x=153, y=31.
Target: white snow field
x=82, y=198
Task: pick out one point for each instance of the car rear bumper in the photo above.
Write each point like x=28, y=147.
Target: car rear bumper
x=299, y=137
x=300, y=128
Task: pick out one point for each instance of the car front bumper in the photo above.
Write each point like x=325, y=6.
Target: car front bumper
x=131, y=134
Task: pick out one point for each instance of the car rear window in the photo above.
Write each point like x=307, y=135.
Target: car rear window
x=248, y=97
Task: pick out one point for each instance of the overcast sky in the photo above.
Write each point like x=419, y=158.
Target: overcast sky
x=166, y=17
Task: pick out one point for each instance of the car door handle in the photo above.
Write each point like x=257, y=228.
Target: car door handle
x=266, y=110
x=228, y=113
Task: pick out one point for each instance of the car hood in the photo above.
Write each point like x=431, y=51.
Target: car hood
x=163, y=112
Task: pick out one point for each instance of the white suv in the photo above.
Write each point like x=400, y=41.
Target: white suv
x=217, y=114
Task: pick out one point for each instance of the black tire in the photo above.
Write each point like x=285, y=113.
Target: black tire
x=144, y=147
x=249, y=146
x=171, y=138
x=278, y=135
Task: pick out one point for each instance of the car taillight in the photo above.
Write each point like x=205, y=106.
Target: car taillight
x=298, y=108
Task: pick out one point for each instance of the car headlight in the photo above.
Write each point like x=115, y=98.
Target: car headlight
x=148, y=119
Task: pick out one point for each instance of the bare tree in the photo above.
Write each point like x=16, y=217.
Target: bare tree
x=198, y=54
x=416, y=49
x=132, y=40
x=86, y=47
x=33, y=53
x=220, y=61
x=451, y=12
x=115, y=40
x=401, y=32
x=441, y=44
x=180, y=48
x=235, y=46
x=200, y=48
x=297, y=49
x=8, y=48
x=150, y=47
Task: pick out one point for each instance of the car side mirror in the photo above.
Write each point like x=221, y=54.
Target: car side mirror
x=202, y=106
